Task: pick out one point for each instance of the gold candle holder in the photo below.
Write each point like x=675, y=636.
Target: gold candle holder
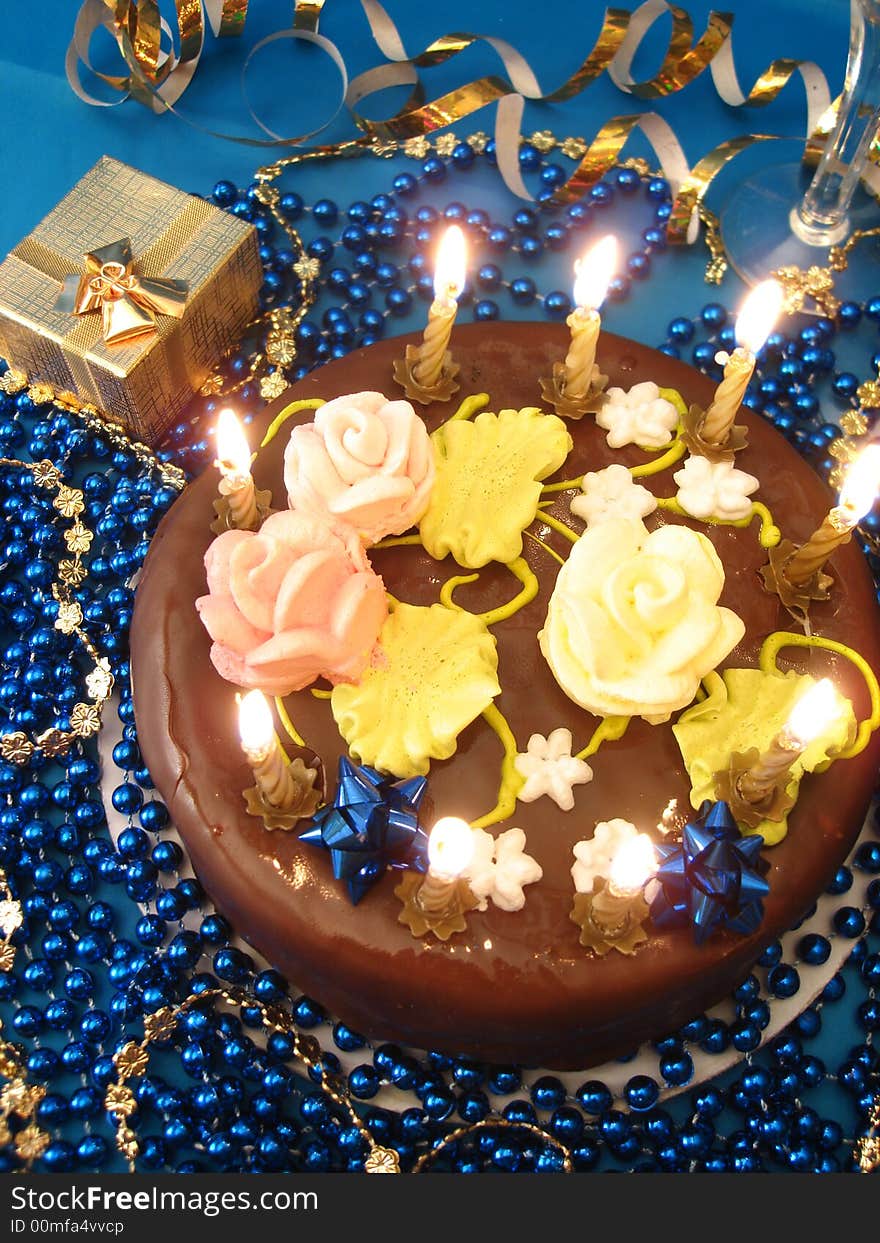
x=285, y=791
x=576, y=386
x=613, y=916
x=439, y=901
x=240, y=506
x=427, y=372
x=713, y=434
x=754, y=784
x=796, y=574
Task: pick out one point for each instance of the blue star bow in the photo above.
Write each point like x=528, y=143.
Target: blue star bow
x=371, y=825
x=710, y=879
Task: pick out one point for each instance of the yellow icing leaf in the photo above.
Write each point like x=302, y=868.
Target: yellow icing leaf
x=747, y=708
x=487, y=486
x=433, y=672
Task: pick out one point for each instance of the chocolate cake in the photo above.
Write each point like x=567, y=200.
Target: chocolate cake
x=515, y=986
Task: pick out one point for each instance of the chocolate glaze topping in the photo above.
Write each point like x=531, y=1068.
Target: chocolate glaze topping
x=516, y=987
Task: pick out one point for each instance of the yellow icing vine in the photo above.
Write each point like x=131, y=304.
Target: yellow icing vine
x=784, y=638
x=675, y=451
x=563, y=485
x=669, y=458
x=609, y=729
x=770, y=534
x=672, y=454
x=519, y=568
x=458, y=580
x=310, y=403
x=319, y=694
x=673, y=396
x=511, y=781
x=559, y=526
x=768, y=537
x=289, y=727
x=469, y=407
x=546, y=547
x=398, y=541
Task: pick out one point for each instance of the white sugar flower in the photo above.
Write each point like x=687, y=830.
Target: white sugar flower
x=480, y=872
x=550, y=768
x=500, y=869
x=593, y=858
x=612, y=493
x=714, y=489
x=640, y=417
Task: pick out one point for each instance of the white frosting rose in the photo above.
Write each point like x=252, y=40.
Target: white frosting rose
x=640, y=417
x=612, y=493
x=714, y=490
x=364, y=460
x=633, y=622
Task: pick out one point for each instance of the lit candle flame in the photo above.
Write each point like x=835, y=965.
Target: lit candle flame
x=633, y=866
x=233, y=450
x=255, y=725
x=812, y=714
x=593, y=273
x=860, y=485
x=451, y=268
x=759, y=313
x=450, y=847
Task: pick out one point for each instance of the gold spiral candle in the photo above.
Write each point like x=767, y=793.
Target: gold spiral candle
x=834, y=531
x=771, y=769
x=432, y=351
x=450, y=849
x=728, y=397
x=234, y=463
x=810, y=716
x=593, y=273
x=754, y=324
x=264, y=754
x=449, y=278
x=856, y=498
x=632, y=867
x=581, y=357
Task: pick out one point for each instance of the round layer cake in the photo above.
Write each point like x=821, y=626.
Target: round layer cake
x=515, y=986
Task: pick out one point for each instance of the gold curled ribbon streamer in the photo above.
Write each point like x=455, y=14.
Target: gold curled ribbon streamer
x=160, y=71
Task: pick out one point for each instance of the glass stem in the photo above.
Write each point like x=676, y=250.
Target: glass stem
x=821, y=217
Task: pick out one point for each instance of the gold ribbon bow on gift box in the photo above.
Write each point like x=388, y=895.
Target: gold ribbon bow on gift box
x=128, y=302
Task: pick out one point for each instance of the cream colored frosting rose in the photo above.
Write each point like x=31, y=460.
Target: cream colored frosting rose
x=364, y=460
x=634, y=621
x=292, y=602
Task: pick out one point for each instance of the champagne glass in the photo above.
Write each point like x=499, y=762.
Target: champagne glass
x=775, y=219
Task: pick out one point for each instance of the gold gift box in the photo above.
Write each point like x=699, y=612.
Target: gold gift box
x=145, y=383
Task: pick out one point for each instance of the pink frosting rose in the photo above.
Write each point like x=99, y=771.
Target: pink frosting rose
x=364, y=460
x=292, y=602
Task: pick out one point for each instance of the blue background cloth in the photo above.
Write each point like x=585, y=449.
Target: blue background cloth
x=51, y=138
